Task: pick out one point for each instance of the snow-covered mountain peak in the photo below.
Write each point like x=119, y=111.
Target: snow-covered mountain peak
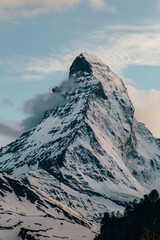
x=89, y=152
x=89, y=70
x=86, y=64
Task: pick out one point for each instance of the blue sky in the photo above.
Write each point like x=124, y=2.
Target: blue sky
x=40, y=39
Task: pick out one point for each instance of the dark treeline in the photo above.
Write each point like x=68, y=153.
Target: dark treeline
x=136, y=217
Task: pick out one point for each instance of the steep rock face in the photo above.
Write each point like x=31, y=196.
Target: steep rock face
x=90, y=153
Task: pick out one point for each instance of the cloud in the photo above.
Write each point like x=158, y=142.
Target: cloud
x=39, y=105
x=116, y=49
x=19, y=3
x=36, y=107
x=147, y=108
x=123, y=49
x=100, y=4
x=51, y=64
x=35, y=110
x=146, y=27
x=31, y=69
x=4, y=140
x=28, y=9
x=9, y=131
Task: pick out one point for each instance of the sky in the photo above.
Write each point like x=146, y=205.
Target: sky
x=40, y=39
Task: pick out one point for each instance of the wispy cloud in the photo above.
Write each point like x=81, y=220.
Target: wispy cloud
x=118, y=49
x=123, y=49
x=27, y=9
x=4, y=140
x=146, y=27
x=31, y=69
x=9, y=129
x=36, y=107
x=147, y=108
x=101, y=4
x=50, y=64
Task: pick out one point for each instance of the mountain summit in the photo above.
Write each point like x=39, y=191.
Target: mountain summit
x=85, y=63
x=89, y=153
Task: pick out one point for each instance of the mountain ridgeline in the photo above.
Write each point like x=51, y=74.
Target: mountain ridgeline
x=89, y=153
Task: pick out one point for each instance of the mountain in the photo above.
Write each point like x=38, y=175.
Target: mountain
x=89, y=152
x=28, y=213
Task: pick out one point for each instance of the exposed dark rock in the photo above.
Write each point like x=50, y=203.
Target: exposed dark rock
x=79, y=66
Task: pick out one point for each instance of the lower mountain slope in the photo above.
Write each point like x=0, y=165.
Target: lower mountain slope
x=27, y=213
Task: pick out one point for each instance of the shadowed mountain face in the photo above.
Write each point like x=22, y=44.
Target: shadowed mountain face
x=90, y=153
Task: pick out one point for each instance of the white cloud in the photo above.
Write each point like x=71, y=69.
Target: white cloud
x=4, y=140
x=41, y=3
x=31, y=69
x=11, y=9
x=100, y=4
x=29, y=9
x=123, y=49
x=146, y=27
x=49, y=64
x=147, y=108
x=21, y=13
x=8, y=132
x=116, y=50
